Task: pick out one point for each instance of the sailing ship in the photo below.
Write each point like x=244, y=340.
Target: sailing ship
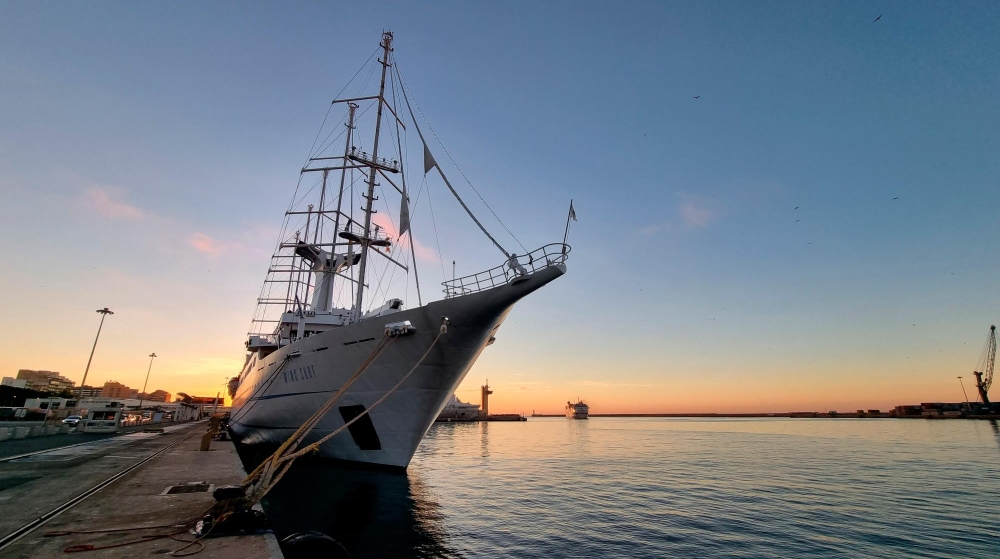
x=327, y=325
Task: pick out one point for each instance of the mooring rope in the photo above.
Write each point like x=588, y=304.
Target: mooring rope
x=273, y=468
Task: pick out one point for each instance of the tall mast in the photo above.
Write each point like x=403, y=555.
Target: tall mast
x=351, y=107
x=372, y=172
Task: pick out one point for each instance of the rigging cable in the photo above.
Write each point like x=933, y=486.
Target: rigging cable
x=406, y=202
x=330, y=108
x=445, y=178
x=261, y=315
x=455, y=163
x=437, y=240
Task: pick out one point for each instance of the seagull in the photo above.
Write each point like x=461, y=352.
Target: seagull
x=796, y=207
x=697, y=96
x=878, y=18
x=797, y=220
x=896, y=198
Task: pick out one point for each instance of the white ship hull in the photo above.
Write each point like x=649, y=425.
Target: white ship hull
x=577, y=411
x=275, y=397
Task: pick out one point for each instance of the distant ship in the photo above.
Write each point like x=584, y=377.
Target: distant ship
x=457, y=410
x=579, y=410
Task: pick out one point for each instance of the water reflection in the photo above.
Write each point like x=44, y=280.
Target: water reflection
x=373, y=513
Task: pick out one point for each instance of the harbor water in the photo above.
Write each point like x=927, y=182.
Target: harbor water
x=665, y=487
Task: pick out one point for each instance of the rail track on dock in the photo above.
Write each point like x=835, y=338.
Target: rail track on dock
x=33, y=525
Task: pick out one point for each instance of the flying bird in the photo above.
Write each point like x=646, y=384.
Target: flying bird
x=896, y=198
x=697, y=96
x=797, y=220
x=878, y=18
x=796, y=207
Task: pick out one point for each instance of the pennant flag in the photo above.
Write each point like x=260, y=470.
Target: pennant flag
x=404, y=214
x=572, y=212
x=429, y=162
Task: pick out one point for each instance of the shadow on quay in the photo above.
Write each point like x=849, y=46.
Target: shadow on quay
x=371, y=512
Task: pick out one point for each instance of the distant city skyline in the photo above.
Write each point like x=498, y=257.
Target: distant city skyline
x=782, y=206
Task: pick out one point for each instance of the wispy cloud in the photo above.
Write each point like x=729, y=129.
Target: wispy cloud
x=205, y=244
x=108, y=202
x=693, y=212
x=650, y=229
x=696, y=214
x=612, y=384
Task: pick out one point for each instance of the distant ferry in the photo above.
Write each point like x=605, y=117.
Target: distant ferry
x=457, y=410
x=579, y=410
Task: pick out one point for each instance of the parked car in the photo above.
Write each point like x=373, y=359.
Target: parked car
x=72, y=420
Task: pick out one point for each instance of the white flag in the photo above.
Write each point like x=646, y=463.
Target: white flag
x=572, y=212
x=429, y=162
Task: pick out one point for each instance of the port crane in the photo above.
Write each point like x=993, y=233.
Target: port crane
x=984, y=369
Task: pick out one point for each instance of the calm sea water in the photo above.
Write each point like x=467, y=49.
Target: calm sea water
x=615, y=487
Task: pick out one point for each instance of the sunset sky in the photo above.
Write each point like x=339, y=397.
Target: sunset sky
x=148, y=150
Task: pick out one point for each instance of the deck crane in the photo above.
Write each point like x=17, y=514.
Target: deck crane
x=984, y=369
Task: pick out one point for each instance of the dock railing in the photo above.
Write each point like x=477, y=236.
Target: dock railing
x=514, y=267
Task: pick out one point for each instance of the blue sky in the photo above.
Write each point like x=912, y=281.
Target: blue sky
x=134, y=133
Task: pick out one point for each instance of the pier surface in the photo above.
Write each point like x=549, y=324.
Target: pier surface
x=35, y=485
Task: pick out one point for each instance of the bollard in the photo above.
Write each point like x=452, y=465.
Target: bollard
x=213, y=428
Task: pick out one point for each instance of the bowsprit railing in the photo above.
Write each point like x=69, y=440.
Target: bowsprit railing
x=538, y=259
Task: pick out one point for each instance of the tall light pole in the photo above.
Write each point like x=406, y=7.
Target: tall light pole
x=142, y=395
x=104, y=313
x=967, y=406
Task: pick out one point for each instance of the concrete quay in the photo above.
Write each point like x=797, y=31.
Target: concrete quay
x=138, y=498
x=14, y=430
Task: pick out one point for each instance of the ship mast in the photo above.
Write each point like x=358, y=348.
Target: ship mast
x=372, y=173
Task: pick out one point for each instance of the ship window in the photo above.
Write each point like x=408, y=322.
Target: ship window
x=362, y=430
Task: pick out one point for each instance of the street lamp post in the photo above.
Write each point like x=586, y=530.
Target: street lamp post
x=967, y=406
x=142, y=396
x=104, y=313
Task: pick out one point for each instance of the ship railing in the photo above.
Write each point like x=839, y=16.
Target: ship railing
x=516, y=266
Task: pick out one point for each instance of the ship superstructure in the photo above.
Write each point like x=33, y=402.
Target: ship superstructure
x=579, y=410
x=331, y=317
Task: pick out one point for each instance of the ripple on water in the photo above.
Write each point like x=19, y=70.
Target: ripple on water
x=659, y=487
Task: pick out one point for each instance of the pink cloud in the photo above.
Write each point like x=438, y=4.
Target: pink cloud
x=103, y=201
x=205, y=244
x=422, y=251
x=425, y=252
